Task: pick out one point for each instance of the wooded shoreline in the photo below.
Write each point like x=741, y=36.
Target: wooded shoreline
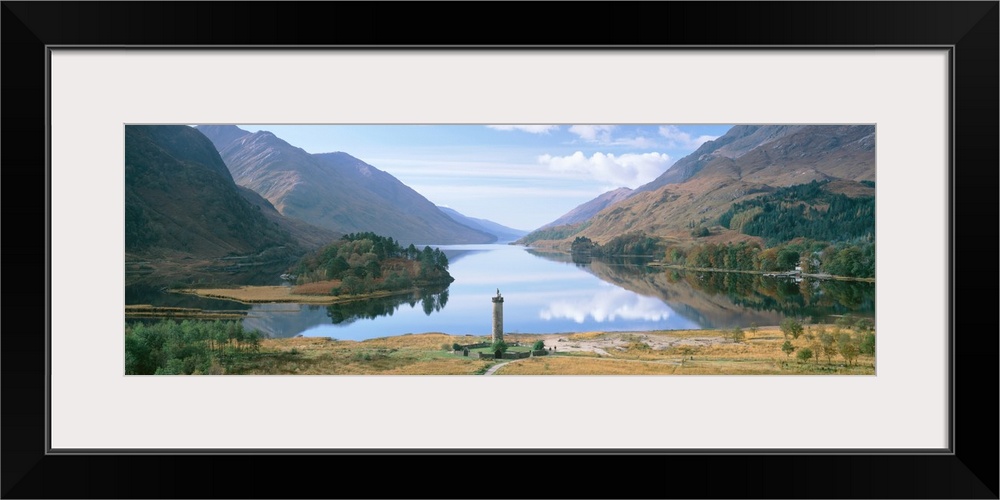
x=775, y=273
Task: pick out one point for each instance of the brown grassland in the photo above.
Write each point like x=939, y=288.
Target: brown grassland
x=421, y=354
x=674, y=352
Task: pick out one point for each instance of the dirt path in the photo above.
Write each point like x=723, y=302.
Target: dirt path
x=493, y=369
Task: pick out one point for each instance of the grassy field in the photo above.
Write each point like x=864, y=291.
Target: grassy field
x=422, y=354
x=567, y=364
x=675, y=352
x=687, y=352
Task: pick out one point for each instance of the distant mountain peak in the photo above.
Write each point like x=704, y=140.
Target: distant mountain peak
x=221, y=135
x=339, y=192
x=587, y=210
x=501, y=232
x=736, y=142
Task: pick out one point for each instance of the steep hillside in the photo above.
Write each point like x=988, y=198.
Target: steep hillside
x=337, y=191
x=503, y=233
x=746, y=162
x=221, y=135
x=187, y=221
x=589, y=209
x=307, y=235
x=180, y=196
x=736, y=142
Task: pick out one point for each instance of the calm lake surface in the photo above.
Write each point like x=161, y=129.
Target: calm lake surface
x=552, y=293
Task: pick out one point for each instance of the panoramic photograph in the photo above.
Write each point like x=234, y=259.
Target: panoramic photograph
x=494, y=250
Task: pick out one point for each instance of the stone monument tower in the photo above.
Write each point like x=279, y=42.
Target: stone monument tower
x=498, y=317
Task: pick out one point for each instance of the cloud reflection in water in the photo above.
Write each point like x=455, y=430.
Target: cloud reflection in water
x=608, y=305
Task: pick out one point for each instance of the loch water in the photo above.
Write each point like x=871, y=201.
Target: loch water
x=553, y=293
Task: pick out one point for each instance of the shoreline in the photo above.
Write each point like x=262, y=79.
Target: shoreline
x=788, y=274
x=280, y=294
x=147, y=311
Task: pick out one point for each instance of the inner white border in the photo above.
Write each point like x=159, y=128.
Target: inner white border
x=95, y=92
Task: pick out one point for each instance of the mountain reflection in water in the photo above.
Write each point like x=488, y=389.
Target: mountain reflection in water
x=554, y=293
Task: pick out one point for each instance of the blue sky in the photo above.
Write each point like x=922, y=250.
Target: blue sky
x=522, y=176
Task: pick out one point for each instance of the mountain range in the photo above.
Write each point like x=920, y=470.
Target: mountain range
x=334, y=190
x=220, y=192
x=503, y=233
x=747, y=161
x=185, y=217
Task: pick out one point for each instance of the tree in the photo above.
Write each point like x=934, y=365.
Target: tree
x=753, y=329
x=787, y=348
x=787, y=259
x=582, y=245
x=864, y=325
x=221, y=338
x=867, y=344
x=351, y=285
x=373, y=269
x=240, y=335
x=253, y=338
x=805, y=354
x=817, y=349
x=829, y=350
x=441, y=258
x=538, y=345
x=737, y=334
x=848, y=350
x=791, y=327
x=499, y=347
x=337, y=267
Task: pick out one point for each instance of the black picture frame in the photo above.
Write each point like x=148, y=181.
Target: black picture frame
x=968, y=470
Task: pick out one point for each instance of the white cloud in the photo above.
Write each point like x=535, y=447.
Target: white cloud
x=630, y=170
x=531, y=129
x=635, y=142
x=595, y=133
x=604, y=135
x=677, y=138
